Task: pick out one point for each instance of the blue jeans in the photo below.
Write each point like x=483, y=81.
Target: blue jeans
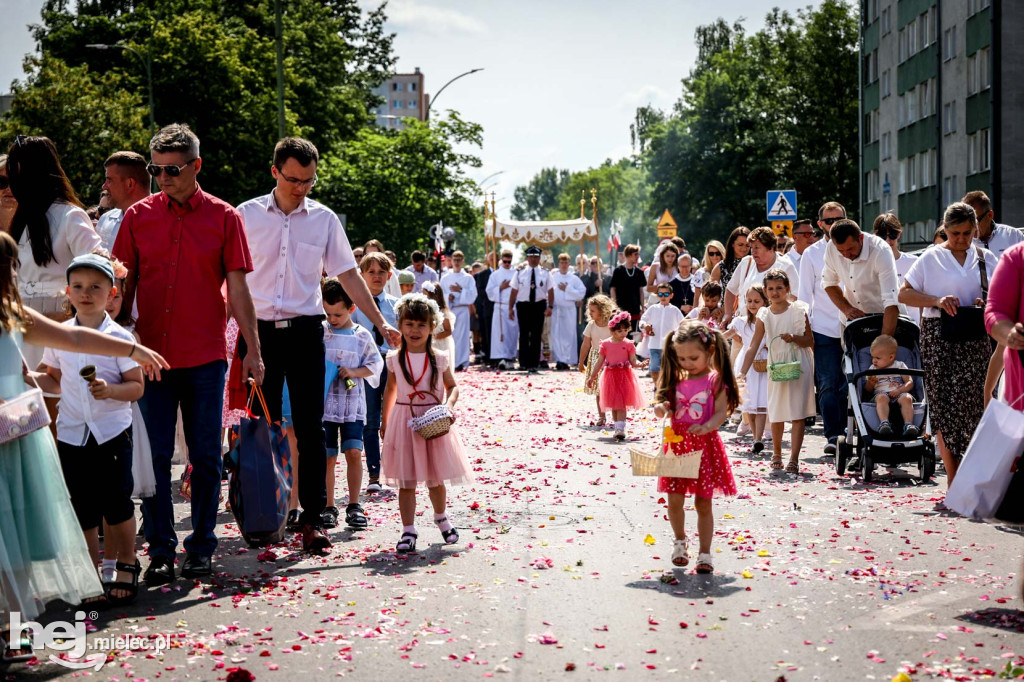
x=199, y=391
x=655, y=354
x=371, y=432
x=831, y=384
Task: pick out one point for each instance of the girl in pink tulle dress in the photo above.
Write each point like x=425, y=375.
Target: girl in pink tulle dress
x=698, y=390
x=418, y=378
x=620, y=390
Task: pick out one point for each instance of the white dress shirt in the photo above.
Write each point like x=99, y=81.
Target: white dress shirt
x=521, y=283
x=427, y=275
x=467, y=295
x=79, y=414
x=869, y=280
x=665, y=319
x=108, y=225
x=822, y=311
x=746, y=274
x=903, y=265
x=1002, y=238
x=937, y=272
x=574, y=291
x=289, y=254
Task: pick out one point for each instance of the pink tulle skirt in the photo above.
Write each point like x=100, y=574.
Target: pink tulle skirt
x=620, y=389
x=408, y=460
x=715, y=471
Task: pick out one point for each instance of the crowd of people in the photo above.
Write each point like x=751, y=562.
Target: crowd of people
x=146, y=318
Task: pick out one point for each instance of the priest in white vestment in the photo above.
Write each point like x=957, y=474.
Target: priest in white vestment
x=460, y=292
x=569, y=290
x=504, y=332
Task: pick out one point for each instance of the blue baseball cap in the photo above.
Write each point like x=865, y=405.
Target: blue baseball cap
x=93, y=261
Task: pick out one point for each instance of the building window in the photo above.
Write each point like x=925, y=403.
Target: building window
x=911, y=39
x=397, y=87
x=978, y=72
x=912, y=176
x=902, y=107
x=979, y=152
x=886, y=83
x=949, y=118
x=975, y=6
x=396, y=104
x=871, y=193
x=912, y=105
x=924, y=100
x=886, y=21
x=933, y=25
x=903, y=45
x=871, y=127
x=871, y=67
x=412, y=87
x=949, y=44
x=903, y=176
x=886, y=145
x=949, y=193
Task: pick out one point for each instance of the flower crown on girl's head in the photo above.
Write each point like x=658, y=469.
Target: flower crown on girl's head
x=618, y=318
x=415, y=300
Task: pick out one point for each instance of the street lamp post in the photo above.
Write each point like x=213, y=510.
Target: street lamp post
x=146, y=62
x=437, y=94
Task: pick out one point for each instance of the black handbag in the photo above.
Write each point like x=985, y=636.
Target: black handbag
x=969, y=322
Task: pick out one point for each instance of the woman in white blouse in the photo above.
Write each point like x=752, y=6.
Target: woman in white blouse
x=945, y=279
x=752, y=269
x=50, y=226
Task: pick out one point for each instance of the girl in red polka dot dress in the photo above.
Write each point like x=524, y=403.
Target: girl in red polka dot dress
x=698, y=390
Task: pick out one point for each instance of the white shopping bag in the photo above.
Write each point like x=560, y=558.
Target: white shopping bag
x=989, y=463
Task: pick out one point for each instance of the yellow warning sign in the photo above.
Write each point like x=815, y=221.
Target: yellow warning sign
x=782, y=227
x=667, y=227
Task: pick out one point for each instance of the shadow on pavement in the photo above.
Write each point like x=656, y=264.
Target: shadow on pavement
x=684, y=583
x=1010, y=620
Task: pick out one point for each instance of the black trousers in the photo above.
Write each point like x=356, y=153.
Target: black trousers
x=531, y=326
x=296, y=354
x=484, y=312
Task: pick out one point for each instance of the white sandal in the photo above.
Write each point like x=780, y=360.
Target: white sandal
x=705, y=564
x=679, y=555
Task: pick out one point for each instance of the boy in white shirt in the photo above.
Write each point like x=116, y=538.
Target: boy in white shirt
x=94, y=429
x=659, y=321
x=350, y=348
x=887, y=388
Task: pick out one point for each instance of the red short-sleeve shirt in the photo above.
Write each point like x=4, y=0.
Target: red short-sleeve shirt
x=182, y=254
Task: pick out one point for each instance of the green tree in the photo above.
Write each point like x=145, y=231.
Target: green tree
x=87, y=116
x=393, y=185
x=536, y=199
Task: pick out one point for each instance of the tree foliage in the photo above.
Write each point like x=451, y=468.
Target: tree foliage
x=535, y=200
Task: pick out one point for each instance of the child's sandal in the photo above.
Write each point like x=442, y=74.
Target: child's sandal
x=407, y=543
x=679, y=556
x=131, y=588
x=776, y=461
x=793, y=467
x=705, y=564
x=451, y=536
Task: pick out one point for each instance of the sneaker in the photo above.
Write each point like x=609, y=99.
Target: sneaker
x=830, y=448
x=758, y=447
x=314, y=540
x=744, y=429
x=355, y=517
x=911, y=431
x=374, y=487
x=329, y=517
x=885, y=428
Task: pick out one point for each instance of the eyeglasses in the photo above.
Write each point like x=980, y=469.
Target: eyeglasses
x=831, y=221
x=807, y=233
x=664, y=294
x=714, y=254
x=171, y=170
x=888, y=233
x=297, y=182
x=506, y=262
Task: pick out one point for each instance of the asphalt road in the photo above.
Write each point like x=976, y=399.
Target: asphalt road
x=563, y=571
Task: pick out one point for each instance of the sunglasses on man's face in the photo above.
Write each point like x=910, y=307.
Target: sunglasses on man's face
x=831, y=221
x=806, y=233
x=506, y=262
x=664, y=294
x=171, y=170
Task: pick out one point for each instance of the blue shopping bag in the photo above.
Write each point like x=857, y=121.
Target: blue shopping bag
x=261, y=477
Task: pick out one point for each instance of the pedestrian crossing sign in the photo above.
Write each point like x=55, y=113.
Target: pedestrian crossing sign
x=782, y=204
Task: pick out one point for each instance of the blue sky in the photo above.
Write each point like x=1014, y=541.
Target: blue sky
x=561, y=78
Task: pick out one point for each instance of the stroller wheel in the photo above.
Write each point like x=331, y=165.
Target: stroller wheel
x=928, y=464
x=867, y=466
x=841, y=455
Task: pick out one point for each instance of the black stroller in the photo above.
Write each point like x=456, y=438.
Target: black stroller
x=862, y=437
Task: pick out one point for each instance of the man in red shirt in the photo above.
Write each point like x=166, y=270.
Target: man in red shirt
x=180, y=246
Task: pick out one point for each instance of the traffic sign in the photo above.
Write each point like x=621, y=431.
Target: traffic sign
x=783, y=227
x=782, y=204
x=667, y=226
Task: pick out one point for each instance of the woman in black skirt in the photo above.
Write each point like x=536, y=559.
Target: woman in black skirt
x=955, y=355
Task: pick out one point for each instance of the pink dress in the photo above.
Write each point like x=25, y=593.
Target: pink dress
x=1006, y=302
x=695, y=404
x=620, y=389
x=406, y=458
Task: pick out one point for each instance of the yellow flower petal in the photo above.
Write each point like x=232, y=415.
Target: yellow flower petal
x=649, y=540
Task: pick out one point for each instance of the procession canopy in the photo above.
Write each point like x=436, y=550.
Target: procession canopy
x=542, y=232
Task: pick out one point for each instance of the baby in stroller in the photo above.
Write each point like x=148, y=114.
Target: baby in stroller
x=891, y=388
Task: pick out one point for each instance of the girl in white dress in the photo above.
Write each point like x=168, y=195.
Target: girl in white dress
x=755, y=392
x=786, y=329
x=443, y=330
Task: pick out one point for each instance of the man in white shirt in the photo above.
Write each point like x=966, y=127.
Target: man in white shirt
x=460, y=291
x=126, y=180
x=530, y=301
x=991, y=235
x=421, y=271
x=829, y=380
x=504, y=332
x=568, y=291
x=803, y=238
x=864, y=265
x=294, y=239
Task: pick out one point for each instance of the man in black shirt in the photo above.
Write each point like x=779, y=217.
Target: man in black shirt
x=484, y=310
x=629, y=284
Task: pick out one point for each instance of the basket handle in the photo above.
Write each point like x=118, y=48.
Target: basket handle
x=771, y=356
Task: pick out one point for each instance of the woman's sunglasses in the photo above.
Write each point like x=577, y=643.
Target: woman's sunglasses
x=714, y=254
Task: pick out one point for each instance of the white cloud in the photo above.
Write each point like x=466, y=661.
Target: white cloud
x=412, y=15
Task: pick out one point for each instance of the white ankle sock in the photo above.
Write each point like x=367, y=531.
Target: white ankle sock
x=621, y=426
x=108, y=570
x=445, y=525
x=409, y=529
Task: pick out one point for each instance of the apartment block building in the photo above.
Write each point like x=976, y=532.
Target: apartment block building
x=404, y=97
x=940, y=80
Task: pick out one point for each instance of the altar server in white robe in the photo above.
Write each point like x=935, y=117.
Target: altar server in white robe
x=504, y=332
x=460, y=291
x=569, y=290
